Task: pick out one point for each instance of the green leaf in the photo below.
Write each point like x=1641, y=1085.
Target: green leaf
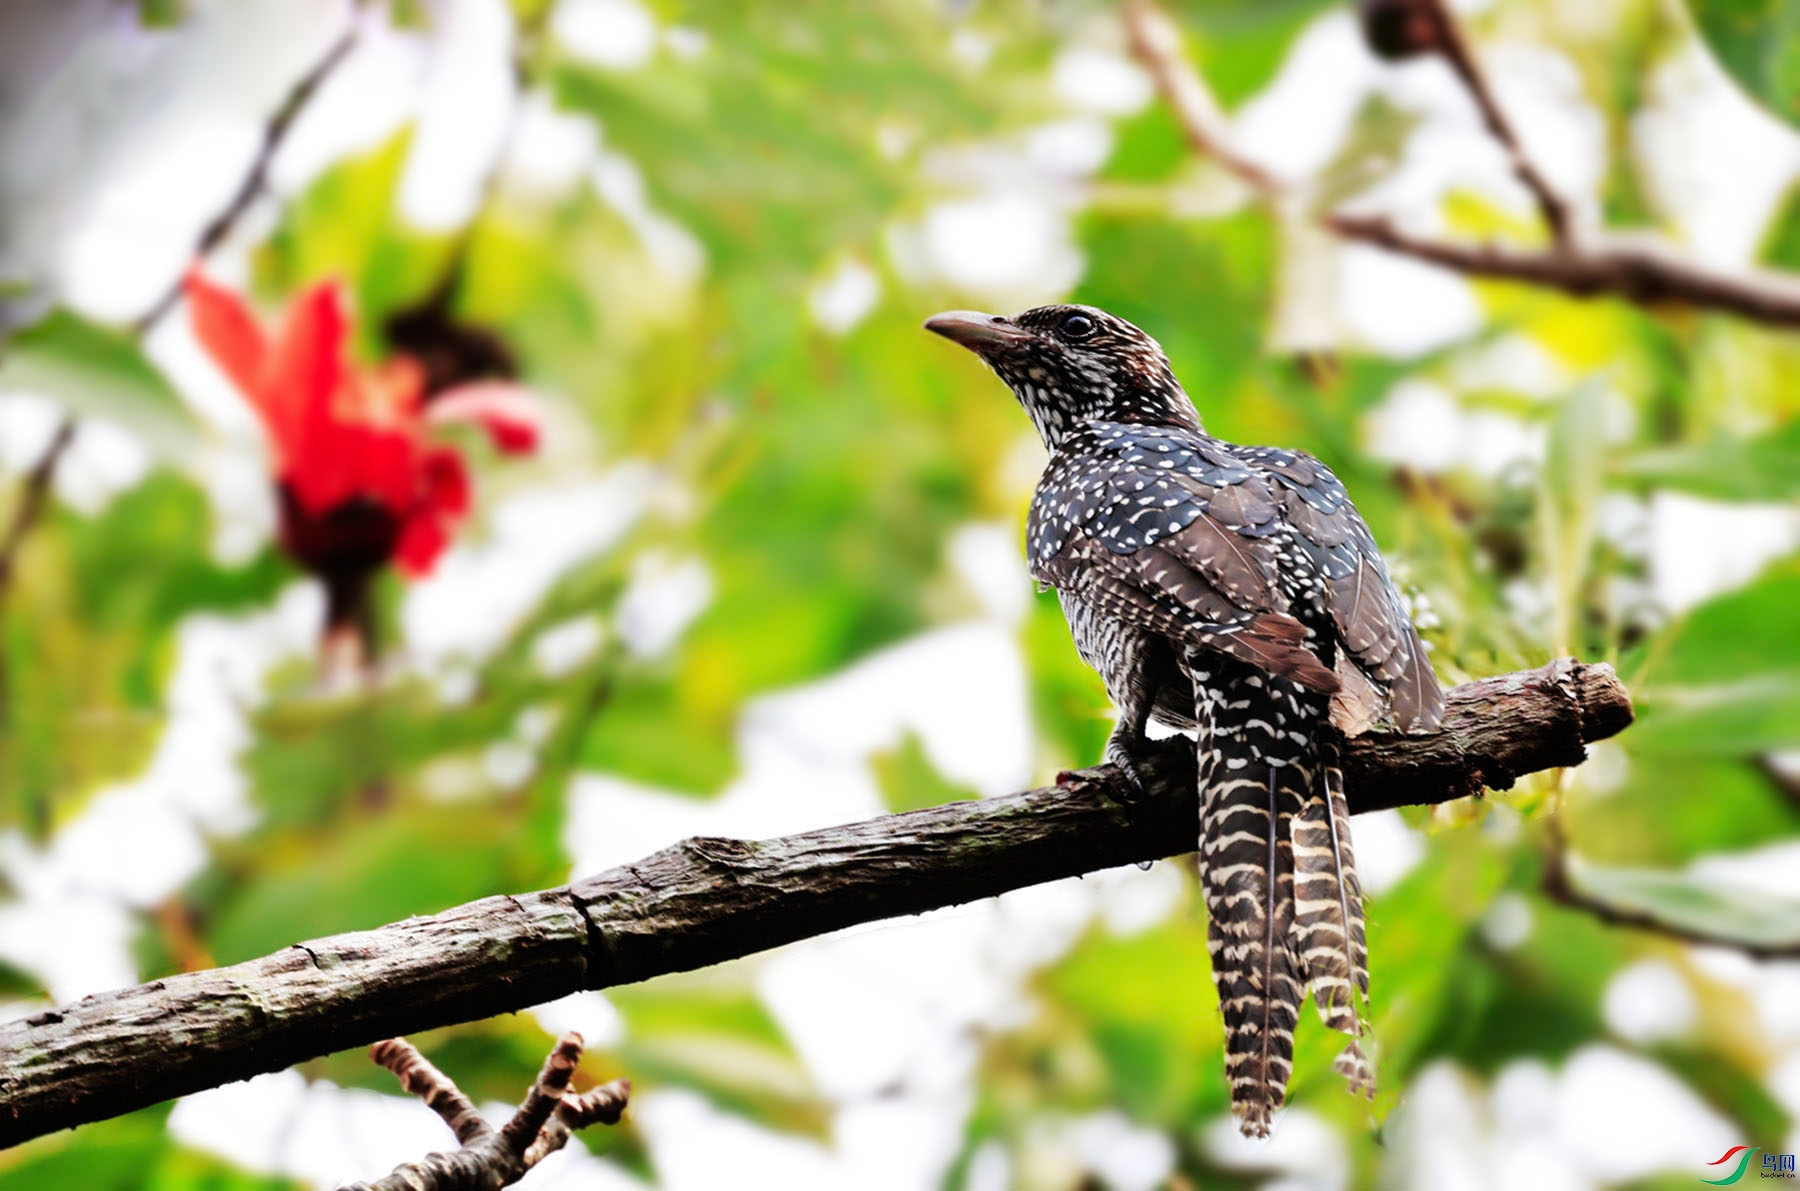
x=1758, y=715
x=1573, y=475
x=96, y=371
x=129, y=1153
x=1740, y=634
x=910, y=782
x=417, y=860
x=1758, y=44
x=162, y=14
x=1747, y=917
x=710, y=1031
x=1764, y=468
x=88, y=634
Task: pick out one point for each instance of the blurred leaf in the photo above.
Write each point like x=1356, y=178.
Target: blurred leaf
x=1725, y=680
x=910, y=782
x=1570, y=487
x=130, y=1153
x=90, y=632
x=95, y=371
x=1758, y=44
x=1239, y=44
x=1674, y=808
x=1159, y=1065
x=1751, y=917
x=710, y=1032
x=1757, y=715
x=1734, y=636
x=414, y=860
x=649, y=730
x=345, y=226
x=1765, y=468
x=162, y=14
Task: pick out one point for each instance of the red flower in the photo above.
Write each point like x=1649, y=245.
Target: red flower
x=360, y=483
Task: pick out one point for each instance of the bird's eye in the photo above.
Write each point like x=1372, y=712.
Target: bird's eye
x=1077, y=326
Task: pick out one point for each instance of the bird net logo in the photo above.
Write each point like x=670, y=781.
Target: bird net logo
x=1774, y=1166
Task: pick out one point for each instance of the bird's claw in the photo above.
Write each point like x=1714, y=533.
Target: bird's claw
x=1132, y=780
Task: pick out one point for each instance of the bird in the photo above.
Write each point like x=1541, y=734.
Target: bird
x=1234, y=592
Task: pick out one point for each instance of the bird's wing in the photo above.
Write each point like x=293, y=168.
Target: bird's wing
x=1180, y=549
x=1371, y=622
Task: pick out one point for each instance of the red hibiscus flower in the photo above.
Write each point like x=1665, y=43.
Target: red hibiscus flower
x=359, y=480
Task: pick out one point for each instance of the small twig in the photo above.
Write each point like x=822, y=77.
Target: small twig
x=34, y=492
x=1157, y=43
x=418, y=1076
x=542, y=1125
x=1453, y=44
x=275, y=131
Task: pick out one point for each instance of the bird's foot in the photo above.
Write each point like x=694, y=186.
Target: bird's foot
x=1134, y=780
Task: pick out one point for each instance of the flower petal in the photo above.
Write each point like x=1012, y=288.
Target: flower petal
x=422, y=542
x=229, y=332
x=444, y=482
x=302, y=379
x=512, y=414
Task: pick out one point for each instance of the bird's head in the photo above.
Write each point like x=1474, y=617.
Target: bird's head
x=1070, y=366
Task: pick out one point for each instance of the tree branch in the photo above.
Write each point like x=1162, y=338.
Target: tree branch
x=275, y=131
x=541, y=1126
x=1642, y=272
x=1453, y=44
x=1156, y=42
x=704, y=901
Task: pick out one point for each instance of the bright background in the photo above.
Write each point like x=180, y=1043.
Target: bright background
x=766, y=575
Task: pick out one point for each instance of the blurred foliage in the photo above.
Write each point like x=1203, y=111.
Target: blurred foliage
x=818, y=477
x=1755, y=41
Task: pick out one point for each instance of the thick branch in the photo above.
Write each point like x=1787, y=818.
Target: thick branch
x=707, y=900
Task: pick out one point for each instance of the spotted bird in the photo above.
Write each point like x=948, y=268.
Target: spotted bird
x=1236, y=592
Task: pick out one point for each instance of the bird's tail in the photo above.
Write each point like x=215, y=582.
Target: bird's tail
x=1283, y=906
x=1328, y=916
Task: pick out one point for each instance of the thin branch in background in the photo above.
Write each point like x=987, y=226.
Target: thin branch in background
x=1561, y=887
x=1453, y=44
x=34, y=494
x=33, y=498
x=37, y=483
x=1157, y=43
x=1643, y=273
x=275, y=131
x=543, y=1124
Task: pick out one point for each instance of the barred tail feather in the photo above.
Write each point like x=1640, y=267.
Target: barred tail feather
x=1328, y=916
x=1247, y=870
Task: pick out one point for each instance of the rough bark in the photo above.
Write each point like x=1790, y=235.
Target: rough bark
x=706, y=900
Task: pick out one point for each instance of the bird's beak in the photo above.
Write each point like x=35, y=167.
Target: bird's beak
x=977, y=331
